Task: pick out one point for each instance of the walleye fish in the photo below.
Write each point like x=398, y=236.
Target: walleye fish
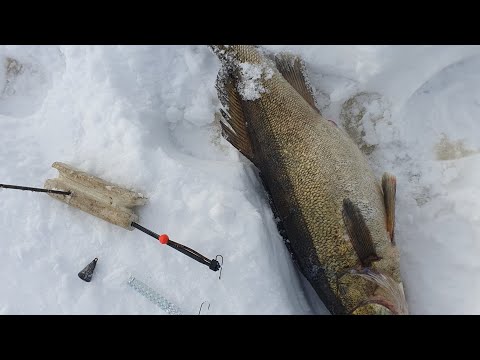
x=338, y=218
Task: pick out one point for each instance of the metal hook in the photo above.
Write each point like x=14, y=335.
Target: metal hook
x=221, y=265
x=199, y=311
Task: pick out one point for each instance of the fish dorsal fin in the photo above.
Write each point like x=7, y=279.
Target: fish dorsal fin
x=389, y=187
x=359, y=234
x=292, y=69
x=234, y=126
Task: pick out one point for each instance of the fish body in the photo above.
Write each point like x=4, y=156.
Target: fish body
x=329, y=202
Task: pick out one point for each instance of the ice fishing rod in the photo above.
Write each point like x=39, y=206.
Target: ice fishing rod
x=16, y=187
x=212, y=264
x=165, y=240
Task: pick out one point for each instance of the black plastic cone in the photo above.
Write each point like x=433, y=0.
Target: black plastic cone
x=87, y=272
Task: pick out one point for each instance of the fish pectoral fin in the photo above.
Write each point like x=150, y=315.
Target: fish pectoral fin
x=292, y=68
x=389, y=187
x=358, y=233
x=236, y=130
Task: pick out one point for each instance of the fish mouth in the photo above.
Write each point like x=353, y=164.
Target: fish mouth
x=389, y=294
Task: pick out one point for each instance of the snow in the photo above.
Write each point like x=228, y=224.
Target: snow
x=143, y=117
x=252, y=76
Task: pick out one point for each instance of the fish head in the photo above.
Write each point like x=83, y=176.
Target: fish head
x=371, y=291
x=371, y=283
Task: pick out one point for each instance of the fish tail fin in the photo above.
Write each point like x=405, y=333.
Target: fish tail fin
x=232, y=119
x=225, y=53
x=234, y=54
